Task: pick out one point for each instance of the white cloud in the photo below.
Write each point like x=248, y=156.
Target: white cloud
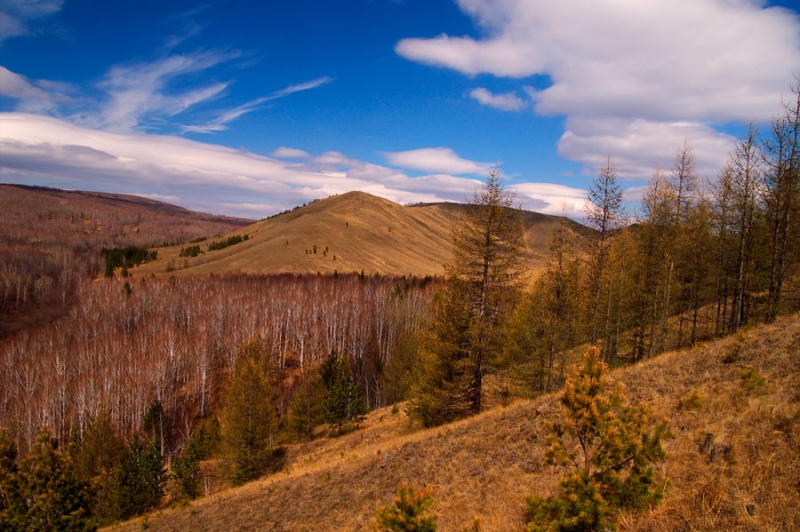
x=550, y=198
x=18, y=87
x=218, y=124
x=441, y=160
x=638, y=147
x=503, y=102
x=45, y=150
x=657, y=62
x=290, y=153
x=16, y=15
x=140, y=92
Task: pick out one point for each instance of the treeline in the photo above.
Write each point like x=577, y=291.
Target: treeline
x=702, y=258
x=230, y=241
x=175, y=341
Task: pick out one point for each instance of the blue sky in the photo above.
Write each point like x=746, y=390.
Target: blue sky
x=250, y=108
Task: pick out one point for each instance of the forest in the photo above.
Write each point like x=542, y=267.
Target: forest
x=171, y=367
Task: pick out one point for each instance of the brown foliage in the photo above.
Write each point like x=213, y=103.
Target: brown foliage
x=175, y=339
x=481, y=468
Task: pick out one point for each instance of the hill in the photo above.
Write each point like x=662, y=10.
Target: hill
x=52, y=238
x=745, y=390
x=351, y=232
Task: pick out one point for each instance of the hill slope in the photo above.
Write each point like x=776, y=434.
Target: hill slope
x=482, y=468
x=352, y=232
x=51, y=239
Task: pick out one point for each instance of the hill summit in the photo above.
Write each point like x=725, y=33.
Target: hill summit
x=352, y=232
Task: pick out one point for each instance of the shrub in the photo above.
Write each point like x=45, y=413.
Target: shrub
x=406, y=514
x=612, y=451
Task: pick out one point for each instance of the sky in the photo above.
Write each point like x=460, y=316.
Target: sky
x=250, y=108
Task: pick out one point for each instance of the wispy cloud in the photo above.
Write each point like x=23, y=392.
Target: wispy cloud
x=504, y=102
x=218, y=124
x=140, y=92
x=18, y=87
x=46, y=150
x=17, y=15
x=628, y=67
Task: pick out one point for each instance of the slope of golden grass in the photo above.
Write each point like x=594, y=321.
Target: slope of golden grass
x=744, y=390
x=351, y=232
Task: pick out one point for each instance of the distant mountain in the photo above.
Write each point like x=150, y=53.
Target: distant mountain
x=50, y=239
x=351, y=232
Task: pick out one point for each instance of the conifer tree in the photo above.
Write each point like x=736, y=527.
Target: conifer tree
x=545, y=323
x=482, y=285
x=607, y=442
x=185, y=467
x=136, y=485
x=343, y=405
x=782, y=201
x=603, y=214
x=100, y=449
x=745, y=181
x=11, y=502
x=407, y=512
x=53, y=498
x=248, y=417
x=306, y=408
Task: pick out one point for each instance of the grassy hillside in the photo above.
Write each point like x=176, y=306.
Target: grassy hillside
x=745, y=390
x=352, y=232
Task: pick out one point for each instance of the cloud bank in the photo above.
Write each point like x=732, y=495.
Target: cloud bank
x=212, y=178
x=633, y=78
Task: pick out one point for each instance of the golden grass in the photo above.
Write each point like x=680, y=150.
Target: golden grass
x=352, y=232
x=483, y=467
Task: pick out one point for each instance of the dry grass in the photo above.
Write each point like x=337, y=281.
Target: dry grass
x=352, y=232
x=482, y=468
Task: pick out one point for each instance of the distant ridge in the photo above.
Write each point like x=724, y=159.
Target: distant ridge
x=128, y=200
x=351, y=232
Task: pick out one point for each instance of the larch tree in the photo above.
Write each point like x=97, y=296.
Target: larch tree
x=343, y=405
x=481, y=287
x=745, y=179
x=545, y=323
x=782, y=200
x=604, y=214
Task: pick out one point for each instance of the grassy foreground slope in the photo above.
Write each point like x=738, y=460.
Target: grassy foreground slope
x=745, y=390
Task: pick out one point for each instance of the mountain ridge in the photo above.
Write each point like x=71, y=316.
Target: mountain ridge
x=350, y=232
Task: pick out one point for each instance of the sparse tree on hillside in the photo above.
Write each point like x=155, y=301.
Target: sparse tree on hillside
x=482, y=285
x=248, y=418
x=745, y=180
x=604, y=214
x=607, y=442
x=545, y=323
x=782, y=201
x=407, y=512
x=343, y=405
